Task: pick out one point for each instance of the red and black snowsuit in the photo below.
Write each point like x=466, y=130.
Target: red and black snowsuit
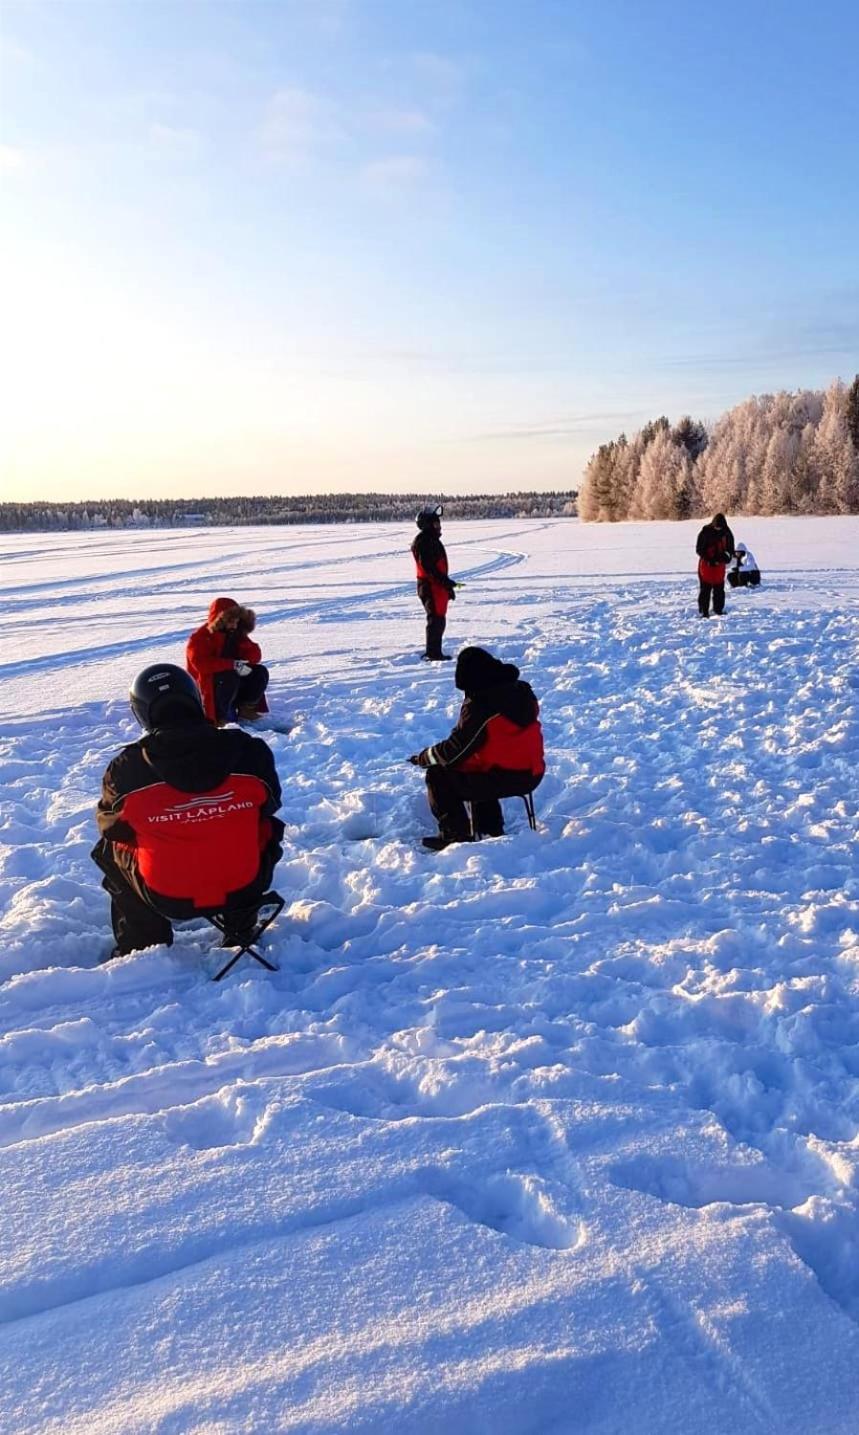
x=187, y=824
x=435, y=588
x=211, y=655
x=715, y=549
x=495, y=749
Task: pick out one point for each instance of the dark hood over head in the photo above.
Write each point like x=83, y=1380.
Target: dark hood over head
x=194, y=757
x=495, y=685
x=476, y=670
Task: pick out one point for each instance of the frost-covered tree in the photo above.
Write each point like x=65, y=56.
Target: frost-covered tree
x=610, y=487
x=834, y=457
x=596, y=498
x=853, y=413
x=664, y=479
x=691, y=435
x=775, y=484
x=772, y=453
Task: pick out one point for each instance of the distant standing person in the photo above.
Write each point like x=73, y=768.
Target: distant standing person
x=745, y=572
x=435, y=588
x=226, y=664
x=715, y=549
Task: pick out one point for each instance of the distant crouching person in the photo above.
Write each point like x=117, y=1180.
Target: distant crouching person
x=226, y=664
x=745, y=572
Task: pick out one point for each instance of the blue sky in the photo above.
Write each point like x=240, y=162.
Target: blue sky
x=260, y=247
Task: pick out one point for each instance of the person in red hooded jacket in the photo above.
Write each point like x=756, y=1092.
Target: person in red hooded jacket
x=226, y=665
x=495, y=750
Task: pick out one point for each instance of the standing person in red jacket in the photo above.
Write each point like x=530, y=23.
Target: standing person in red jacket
x=495, y=750
x=435, y=588
x=186, y=818
x=715, y=549
x=226, y=664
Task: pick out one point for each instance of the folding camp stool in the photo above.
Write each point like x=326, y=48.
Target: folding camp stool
x=248, y=949
x=527, y=798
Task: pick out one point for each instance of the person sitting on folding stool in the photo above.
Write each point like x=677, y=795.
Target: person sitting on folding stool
x=186, y=818
x=495, y=750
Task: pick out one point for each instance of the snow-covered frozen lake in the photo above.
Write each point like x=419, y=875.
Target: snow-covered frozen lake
x=557, y=1133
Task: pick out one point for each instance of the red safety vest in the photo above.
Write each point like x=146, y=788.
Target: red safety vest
x=508, y=746
x=199, y=846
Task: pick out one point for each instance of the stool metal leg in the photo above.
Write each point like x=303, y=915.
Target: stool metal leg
x=528, y=799
x=275, y=904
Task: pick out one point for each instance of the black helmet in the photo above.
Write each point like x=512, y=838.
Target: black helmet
x=428, y=516
x=164, y=693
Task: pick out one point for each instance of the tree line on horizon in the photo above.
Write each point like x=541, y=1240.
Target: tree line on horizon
x=772, y=453
x=276, y=509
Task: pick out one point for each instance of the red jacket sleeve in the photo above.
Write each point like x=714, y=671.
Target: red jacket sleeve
x=249, y=650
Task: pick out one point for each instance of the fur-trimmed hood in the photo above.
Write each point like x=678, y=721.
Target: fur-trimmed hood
x=219, y=608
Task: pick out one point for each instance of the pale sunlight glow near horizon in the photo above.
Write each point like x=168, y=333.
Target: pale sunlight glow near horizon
x=254, y=247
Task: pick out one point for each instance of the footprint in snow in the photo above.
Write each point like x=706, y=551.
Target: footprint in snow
x=518, y=1204
x=684, y=1183
x=231, y=1117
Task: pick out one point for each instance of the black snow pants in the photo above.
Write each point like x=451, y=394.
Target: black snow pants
x=436, y=623
x=718, y=592
x=233, y=692
x=448, y=791
x=140, y=918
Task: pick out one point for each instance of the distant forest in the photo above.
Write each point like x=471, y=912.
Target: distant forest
x=777, y=453
x=305, y=508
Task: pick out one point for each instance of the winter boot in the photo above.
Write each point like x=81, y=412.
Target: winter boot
x=438, y=843
x=248, y=712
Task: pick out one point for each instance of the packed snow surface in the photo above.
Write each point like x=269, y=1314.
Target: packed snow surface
x=555, y=1133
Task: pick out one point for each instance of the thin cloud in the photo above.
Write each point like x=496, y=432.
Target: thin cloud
x=561, y=429
x=331, y=17
x=299, y=127
x=173, y=139
x=395, y=173
x=753, y=360
x=444, y=77
x=403, y=121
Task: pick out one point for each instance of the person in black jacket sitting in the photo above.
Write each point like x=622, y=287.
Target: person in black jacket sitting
x=186, y=818
x=495, y=750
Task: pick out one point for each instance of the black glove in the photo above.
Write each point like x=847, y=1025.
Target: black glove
x=451, y=592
